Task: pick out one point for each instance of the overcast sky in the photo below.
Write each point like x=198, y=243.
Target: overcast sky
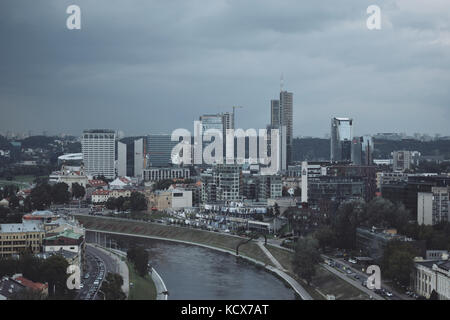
x=152, y=66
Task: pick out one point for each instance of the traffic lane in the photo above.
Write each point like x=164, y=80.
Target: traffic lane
x=110, y=264
x=96, y=276
x=395, y=294
x=93, y=271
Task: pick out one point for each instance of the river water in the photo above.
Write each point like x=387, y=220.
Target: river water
x=196, y=273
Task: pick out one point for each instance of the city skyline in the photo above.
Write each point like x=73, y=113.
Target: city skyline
x=150, y=68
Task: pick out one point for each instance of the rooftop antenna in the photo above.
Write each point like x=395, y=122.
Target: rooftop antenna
x=281, y=82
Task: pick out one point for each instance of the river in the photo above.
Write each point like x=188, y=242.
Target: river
x=197, y=273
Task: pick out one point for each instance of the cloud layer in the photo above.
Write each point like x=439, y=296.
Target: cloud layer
x=152, y=66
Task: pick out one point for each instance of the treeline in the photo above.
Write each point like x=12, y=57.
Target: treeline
x=139, y=257
x=44, y=194
x=380, y=213
x=41, y=196
x=136, y=202
x=52, y=271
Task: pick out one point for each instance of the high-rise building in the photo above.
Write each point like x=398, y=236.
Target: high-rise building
x=281, y=151
x=227, y=121
x=433, y=207
x=341, y=139
x=367, y=150
x=159, y=150
x=281, y=117
x=221, y=122
x=357, y=152
x=274, y=113
x=402, y=160
x=131, y=157
x=99, y=152
x=286, y=119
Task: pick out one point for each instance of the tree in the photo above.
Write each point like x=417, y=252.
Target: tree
x=398, y=261
x=306, y=257
x=60, y=193
x=32, y=267
x=55, y=273
x=326, y=237
x=119, y=203
x=40, y=197
x=78, y=191
x=28, y=294
x=138, y=202
x=383, y=213
x=348, y=218
x=8, y=266
x=14, y=202
x=111, y=203
x=112, y=287
x=139, y=257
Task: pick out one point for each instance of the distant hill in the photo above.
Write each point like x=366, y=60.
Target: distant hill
x=318, y=149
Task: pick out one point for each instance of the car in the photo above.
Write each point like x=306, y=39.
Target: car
x=96, y=282
x=356, y=277
x=86, y=276
x=389, y=294
x=349, y=271
x=81, y=286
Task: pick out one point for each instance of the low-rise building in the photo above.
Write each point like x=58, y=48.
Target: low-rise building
x=432, y=276
x=102, y=196
x=16, y=238
x=170, y=199
x=158, y=174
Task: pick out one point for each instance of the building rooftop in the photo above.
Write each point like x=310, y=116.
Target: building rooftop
x=30, y=284
x=26, y=226
x=68, y=233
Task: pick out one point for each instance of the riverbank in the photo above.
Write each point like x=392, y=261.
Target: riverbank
x=141, y=288
x=158, y=282
x=219, y=242
x=323, y=283
x=188, y=235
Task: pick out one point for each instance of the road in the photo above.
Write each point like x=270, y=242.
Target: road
x=94, y=272
x=98, y=265
x=363, y=277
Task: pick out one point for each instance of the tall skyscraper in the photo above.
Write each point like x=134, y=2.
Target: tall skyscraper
x=131, y=157
x=274, y=113
x=286, y=119
x=367, y=150
x=357, y=152
x=341, y=139
x=99, y=152
x=281, y=115
x=159, y=150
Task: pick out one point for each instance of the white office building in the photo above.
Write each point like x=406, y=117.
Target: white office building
x=99, y=152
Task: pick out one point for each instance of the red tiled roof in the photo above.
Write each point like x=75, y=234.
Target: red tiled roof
x=30, y=284
x=97, y=183
x=101, y=192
